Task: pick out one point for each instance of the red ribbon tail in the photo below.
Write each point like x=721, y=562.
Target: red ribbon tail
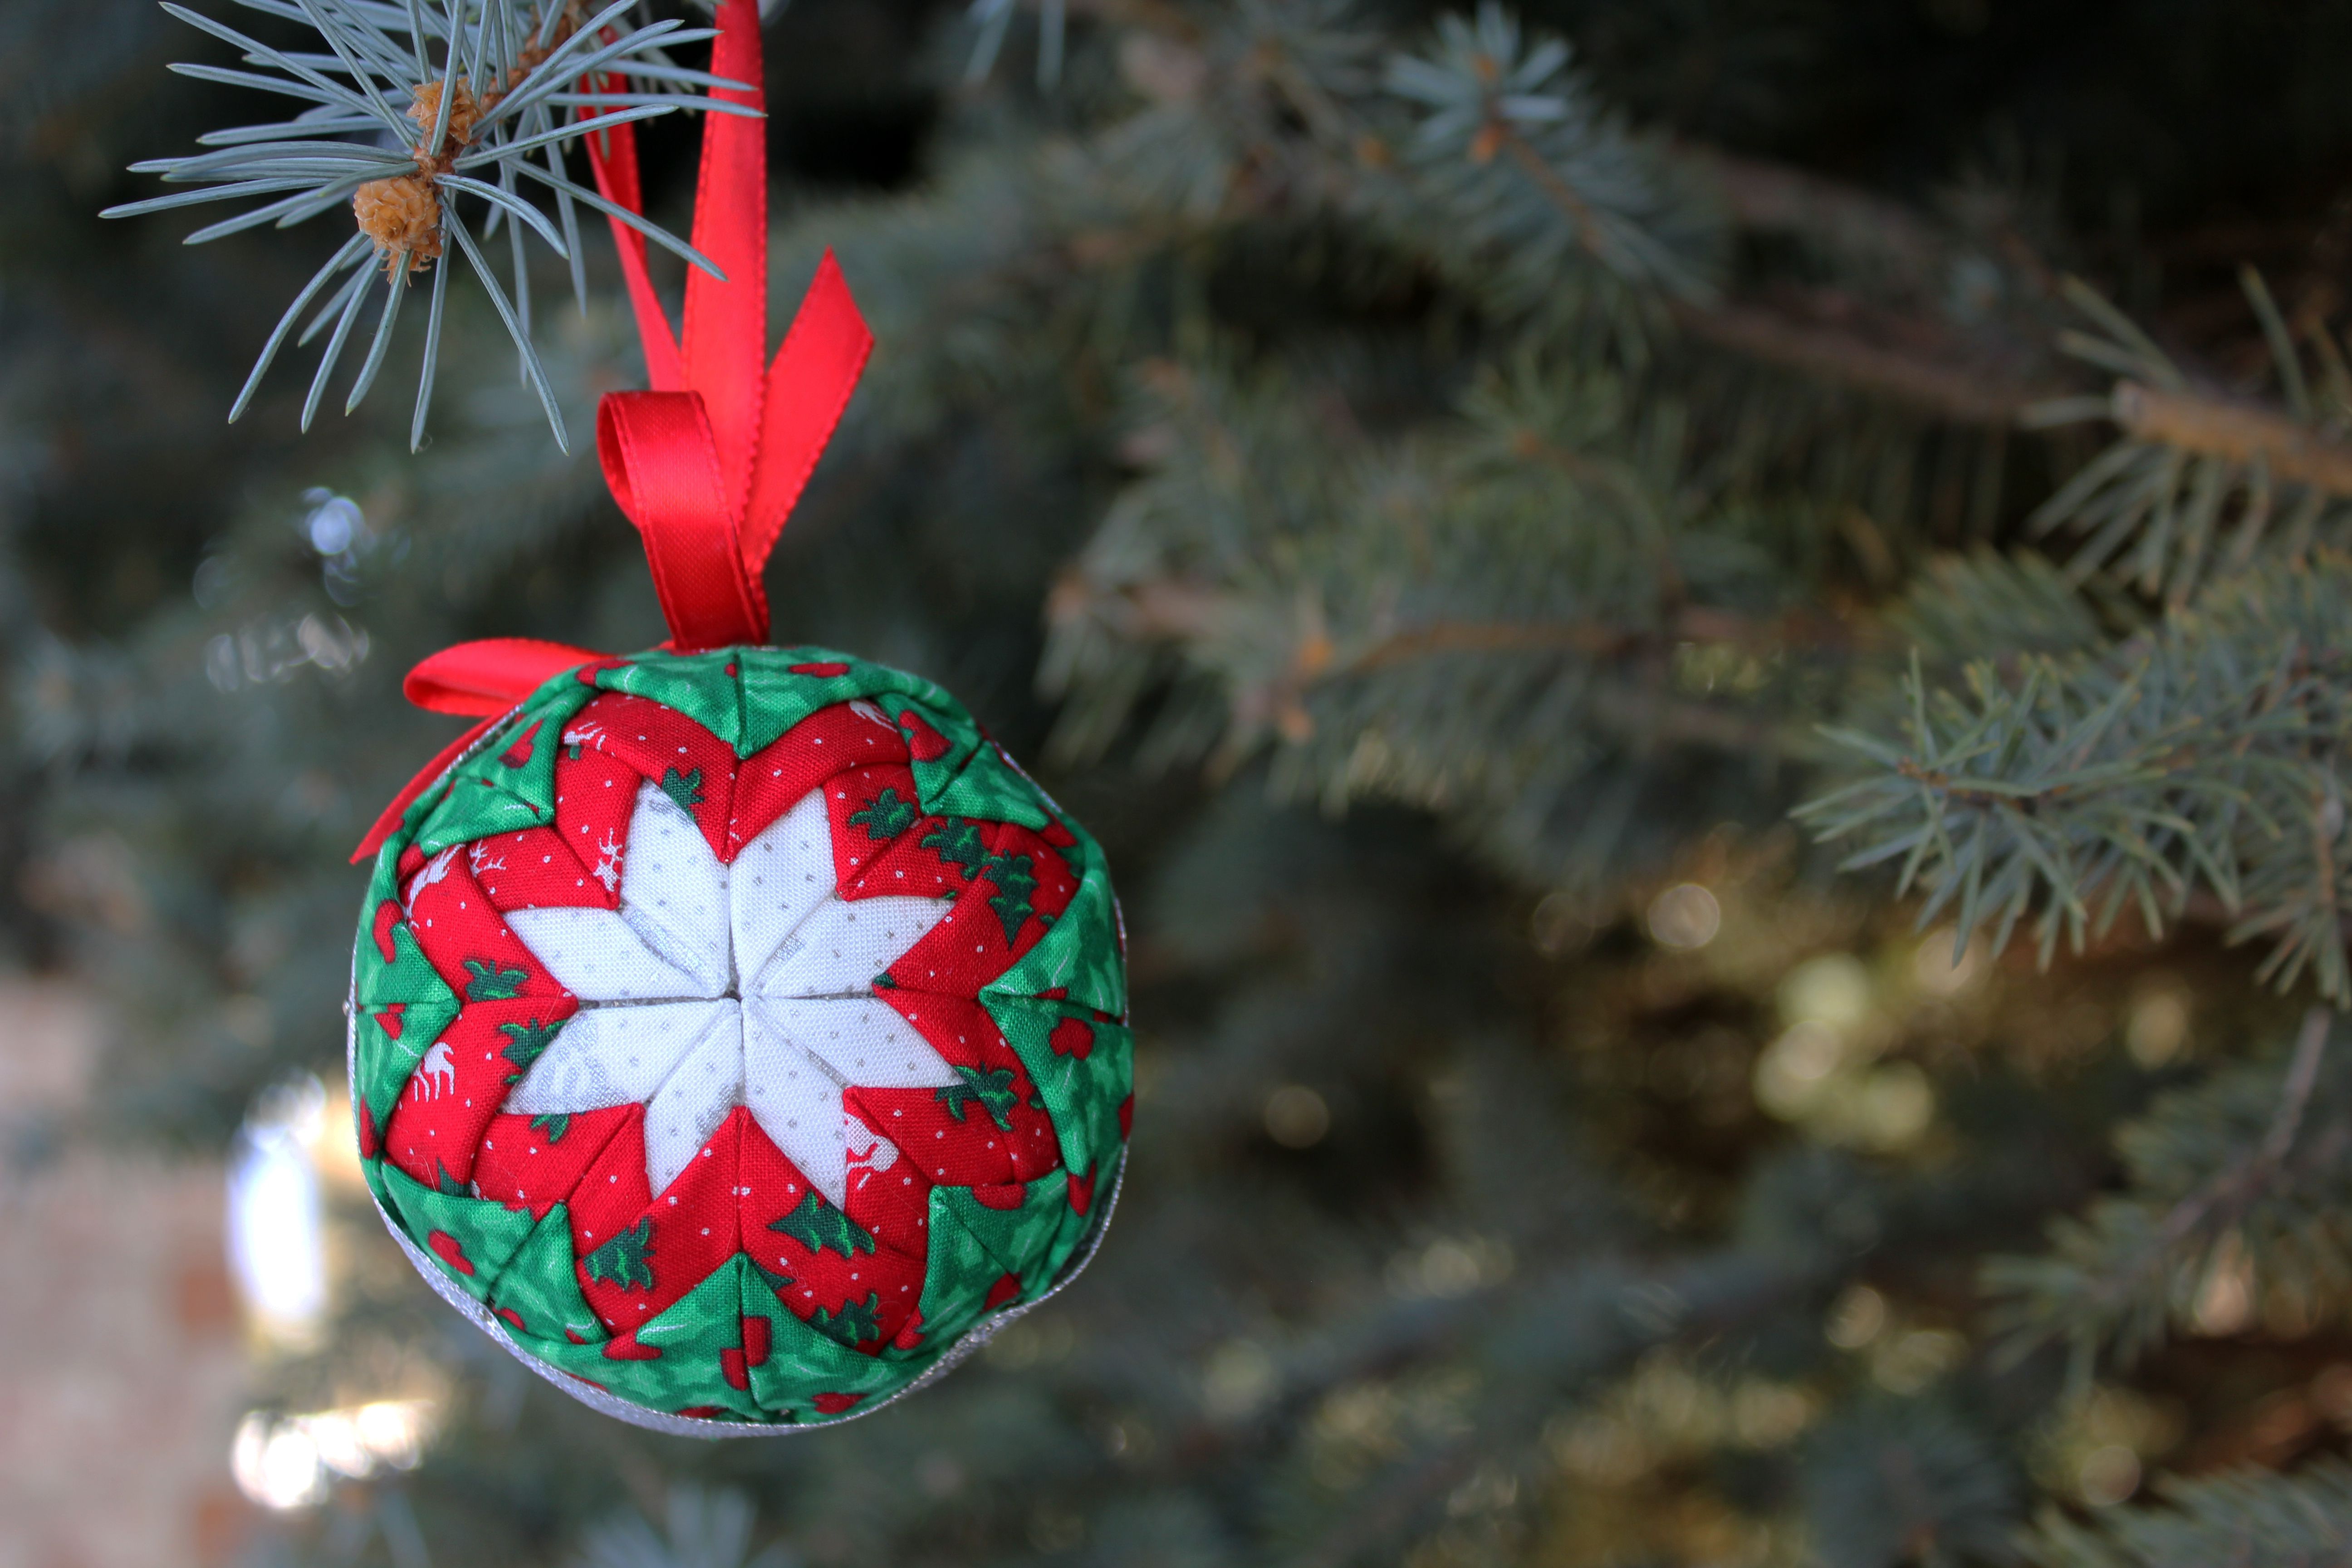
x=485, y=678
x=613, y=160
x=711, y=462
x=663, y=465
x=389, y=823
x=479, y=678
x=809, y=385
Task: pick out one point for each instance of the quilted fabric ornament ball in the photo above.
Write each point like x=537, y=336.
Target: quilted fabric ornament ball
x=740, y=1035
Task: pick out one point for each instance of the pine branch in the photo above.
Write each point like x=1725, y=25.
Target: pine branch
x=1276, y=120
x=1572, y=181
x=1517, y=184
x=1171, y=612
x=1406, y=622
x=464, y=128
x=2004, y=611
x=1952, y=385
x=2201, y=483
x=2218, y=1173
x=1564, y=1336
x=2295, y=451
x=2004, y=608
x=2203, y=753
x=1907, y=1480
x=2254, y=1518
x=1526, y=190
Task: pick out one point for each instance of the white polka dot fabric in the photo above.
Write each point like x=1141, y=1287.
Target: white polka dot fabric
x=715, y=986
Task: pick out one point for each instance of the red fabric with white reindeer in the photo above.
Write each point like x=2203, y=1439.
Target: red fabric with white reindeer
x=730, y=1000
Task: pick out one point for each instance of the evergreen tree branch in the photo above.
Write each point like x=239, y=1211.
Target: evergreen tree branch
x=1946, y=385
x=2001, y=608
x=1519, y=186
x=2294, y=452
x=2219, y=1173
x=1563, y=1337
x=1896, y=1480
x=2249, y=1517
x=2205, y=752
x=1585, y=185
x=1313, y=599
x=2200, y=483
x=464, y=127
x=1174, y=611
x=1987, y=376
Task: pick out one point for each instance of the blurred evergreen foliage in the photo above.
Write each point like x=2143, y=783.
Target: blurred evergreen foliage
x=1434, y=492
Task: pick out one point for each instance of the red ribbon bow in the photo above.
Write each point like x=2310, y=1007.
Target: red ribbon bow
x=711, y=461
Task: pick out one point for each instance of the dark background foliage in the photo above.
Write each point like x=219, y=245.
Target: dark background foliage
x=1542, y=1155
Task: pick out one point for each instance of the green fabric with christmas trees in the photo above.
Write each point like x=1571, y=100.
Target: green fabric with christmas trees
x=452, y=1008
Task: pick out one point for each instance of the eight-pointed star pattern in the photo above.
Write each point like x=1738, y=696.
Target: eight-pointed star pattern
x=658, y=1026
x=715, y=986
x=691, y=1000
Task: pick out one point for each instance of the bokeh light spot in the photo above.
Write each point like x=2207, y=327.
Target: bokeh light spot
x=1685, y=917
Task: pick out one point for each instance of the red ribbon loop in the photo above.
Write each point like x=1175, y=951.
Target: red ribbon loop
x=486, y=678
x=711, y=462
x=479, y=678
x=663, y=466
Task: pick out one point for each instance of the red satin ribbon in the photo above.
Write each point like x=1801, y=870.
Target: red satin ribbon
x=480, y=679
x=711, y=460
x=486, y=678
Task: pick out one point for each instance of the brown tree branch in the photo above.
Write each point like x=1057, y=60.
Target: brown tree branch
x=1170, y=610
x=1174, y=613
x=1598, y=639
x=2241, y=433
x=2224, y=1200
x=1779, y=198
x=1943, y=386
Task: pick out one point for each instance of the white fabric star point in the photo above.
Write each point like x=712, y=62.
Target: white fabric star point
x=715, y=986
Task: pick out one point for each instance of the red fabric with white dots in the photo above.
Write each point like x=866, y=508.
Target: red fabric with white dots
x=736, y=998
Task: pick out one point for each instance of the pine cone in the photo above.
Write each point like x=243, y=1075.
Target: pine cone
x=402, y=214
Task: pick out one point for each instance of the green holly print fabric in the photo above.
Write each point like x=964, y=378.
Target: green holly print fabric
x=740, y=1030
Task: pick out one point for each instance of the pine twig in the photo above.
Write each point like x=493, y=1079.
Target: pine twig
x=2294, y=452
x=1941, y=386
x=2198, y=482
x=2112, y=1276
x=1173, y=611
x=2191, y=755
x=2223, y=1198
x=464, y=128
